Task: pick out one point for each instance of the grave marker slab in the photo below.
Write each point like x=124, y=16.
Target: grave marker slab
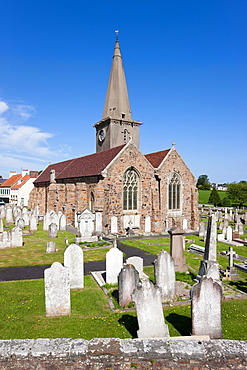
x=73, y=259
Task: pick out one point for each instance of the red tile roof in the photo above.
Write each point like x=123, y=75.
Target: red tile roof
x=90, y=165
x=24, y=180
x=11, y=181
x=156, y=158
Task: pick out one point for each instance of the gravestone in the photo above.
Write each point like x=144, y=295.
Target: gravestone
x=50, y=247
x=202, y=229
x=62, y=222
x=114, y=226
x=206, y=299
x=73, y=259
x=1, y=225
x=165, y=278
x=86, y=226
x=185, y=224
x=147, y=225
x=52, y=233
x=229, y=234
x=46, y=221
x=114, y=264
x=54, y=218
x=2, y=211
x=26, y=218
x=150, y=317
x=16, y=237
x=33, y=223
x=177, y=248
x=98, y=222
x=241, y=229
x=20, y=222
x=128, y=279
x=57, y=290
x=5, y=239
x=9, y=216
x=137, y=262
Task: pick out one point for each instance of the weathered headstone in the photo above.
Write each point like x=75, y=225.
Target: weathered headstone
x=114, y=225
x=206, y=299
x=57, y=290
x=147, y=298
x=33, y=223
x=229, y=234
x=62, y=222
x=9, y=216
x=147, y=225
x=46, y=221
x=128, y=279
x=54, y=218
x=114, y=264
x=137, y=262
x=176, y=248
x=1, y=225
x=50, y=247
x=20, y=222
x=165, y=276
x=202, y=229
x=73, y=259
x=26, y=218
x=16, y=237
x=86, y=226
x=52, y=230
x=98, y=222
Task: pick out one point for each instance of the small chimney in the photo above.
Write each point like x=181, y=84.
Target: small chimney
x=24, y=173
x=12, y=173
x=52, y=175
x=33, y=174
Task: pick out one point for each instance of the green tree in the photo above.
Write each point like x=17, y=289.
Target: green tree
x=237, y=192
x=203, y=182
x=214, y=197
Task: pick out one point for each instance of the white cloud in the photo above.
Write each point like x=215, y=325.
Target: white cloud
x=21, y=145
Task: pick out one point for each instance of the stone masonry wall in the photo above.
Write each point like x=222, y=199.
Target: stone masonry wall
x=122, y=354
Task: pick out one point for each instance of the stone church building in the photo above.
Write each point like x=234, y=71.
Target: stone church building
x=121, y=186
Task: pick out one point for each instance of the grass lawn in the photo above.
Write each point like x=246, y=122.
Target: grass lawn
x=204, y=195
x=22, y=315
x=33, y=252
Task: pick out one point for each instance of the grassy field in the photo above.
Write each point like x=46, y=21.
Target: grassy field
x=204, y=196
x=22, y=304
x=22, y=315
x=32, y=253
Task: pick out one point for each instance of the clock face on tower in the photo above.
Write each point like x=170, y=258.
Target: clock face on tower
x=102, y=135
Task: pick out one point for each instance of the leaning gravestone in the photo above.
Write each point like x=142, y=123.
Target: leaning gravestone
x=150, y=317
x=52, y=233
x=73, y=259
x=57, y=290
x=165, y=276
x=137, y=262
x=50, y=247
x=16, y=237
x=128, y=279
x=114, y=264
x=206, y=299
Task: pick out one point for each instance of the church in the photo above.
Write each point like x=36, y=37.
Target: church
x=123, y=188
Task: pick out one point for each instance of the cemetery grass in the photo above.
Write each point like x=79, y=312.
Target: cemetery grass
x=204, y=196
x=22, y=315
x=33, y=252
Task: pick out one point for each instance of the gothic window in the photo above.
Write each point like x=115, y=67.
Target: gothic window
x=130, y=190
x=91, y=206
x=174, y=192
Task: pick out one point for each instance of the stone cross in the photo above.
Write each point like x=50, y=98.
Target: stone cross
x=57, y=290
x=147, y=298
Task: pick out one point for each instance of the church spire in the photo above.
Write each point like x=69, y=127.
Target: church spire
x=117, y=101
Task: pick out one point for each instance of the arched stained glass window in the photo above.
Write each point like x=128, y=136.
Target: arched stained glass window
x=174, y=192
x=130, y=190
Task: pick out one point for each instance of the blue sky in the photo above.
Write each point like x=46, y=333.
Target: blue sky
x=186, y=68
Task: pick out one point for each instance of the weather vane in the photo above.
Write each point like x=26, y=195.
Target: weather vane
x=117, y=32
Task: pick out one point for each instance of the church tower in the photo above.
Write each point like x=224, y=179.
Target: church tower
x=116, y=127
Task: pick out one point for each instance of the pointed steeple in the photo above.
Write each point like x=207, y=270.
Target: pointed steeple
x=117, y=101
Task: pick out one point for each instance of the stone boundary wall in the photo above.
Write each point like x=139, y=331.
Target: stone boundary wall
x=122, y=354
